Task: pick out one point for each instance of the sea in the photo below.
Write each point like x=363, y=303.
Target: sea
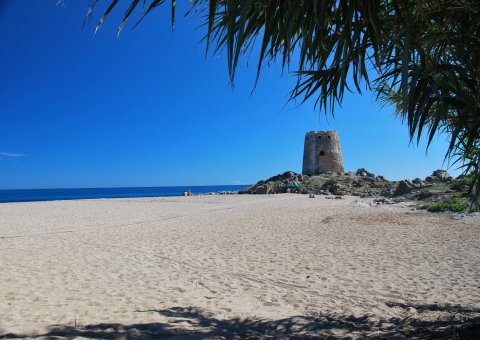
x=35, y=195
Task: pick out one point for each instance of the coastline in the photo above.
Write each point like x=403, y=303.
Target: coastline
x=43, y=195
x=147, y=265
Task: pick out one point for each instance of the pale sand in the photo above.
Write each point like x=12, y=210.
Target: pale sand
x=184, y=266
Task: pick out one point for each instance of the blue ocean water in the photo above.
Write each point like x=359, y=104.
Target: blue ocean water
x=32, y=195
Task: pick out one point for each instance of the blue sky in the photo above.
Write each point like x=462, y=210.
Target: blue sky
x=149, y=109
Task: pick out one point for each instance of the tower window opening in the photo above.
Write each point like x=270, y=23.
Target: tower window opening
x=329, y=137
x=322, y=153
x=319, y=137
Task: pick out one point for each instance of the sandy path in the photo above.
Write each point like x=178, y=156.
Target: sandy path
x=176, y=264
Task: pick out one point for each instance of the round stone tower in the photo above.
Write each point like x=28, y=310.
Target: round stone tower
x=322, y=153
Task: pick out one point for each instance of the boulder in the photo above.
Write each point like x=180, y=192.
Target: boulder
x=260, y=190
x=429, y=179
x=442, y=175
x=403, y=187
x=418, y=183
x=364, y=173
x=424, y=194
x=387, y=191
x=263, y=189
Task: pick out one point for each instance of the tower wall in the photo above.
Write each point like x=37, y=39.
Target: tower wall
x=322, y=153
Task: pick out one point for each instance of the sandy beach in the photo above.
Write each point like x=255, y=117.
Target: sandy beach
x=239, y=265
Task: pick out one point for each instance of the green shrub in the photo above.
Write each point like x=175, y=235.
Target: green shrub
x=454, y=204
x=331, y=185
x=465, y=179
x=462, y=183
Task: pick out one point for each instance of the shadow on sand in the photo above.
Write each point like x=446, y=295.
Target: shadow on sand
x=456, y=322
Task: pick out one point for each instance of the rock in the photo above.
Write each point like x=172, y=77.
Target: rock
x=382, y=200
x=387, y=191
x=333, y=197
x=418, y=183
x=369, y=180
x=403, y=187
x=439, y=176
x=364, y=173
x=442, y=175
x=340, y=192
x=263, y=189
x=222, y=193
x=424, y=194
x=429, y=179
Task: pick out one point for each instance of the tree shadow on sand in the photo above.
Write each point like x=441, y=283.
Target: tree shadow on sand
x=455, y=322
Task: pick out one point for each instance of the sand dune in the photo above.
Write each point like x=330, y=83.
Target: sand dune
x=218, y=265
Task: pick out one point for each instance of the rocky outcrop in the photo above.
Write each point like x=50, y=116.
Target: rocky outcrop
x=436, y=187
x=360, y=183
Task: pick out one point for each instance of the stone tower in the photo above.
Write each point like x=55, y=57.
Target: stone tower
x=322, y=153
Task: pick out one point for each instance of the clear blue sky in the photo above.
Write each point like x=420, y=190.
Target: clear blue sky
x=148, y=109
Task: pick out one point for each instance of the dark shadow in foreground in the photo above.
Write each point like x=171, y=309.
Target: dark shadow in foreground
x=449, y=322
